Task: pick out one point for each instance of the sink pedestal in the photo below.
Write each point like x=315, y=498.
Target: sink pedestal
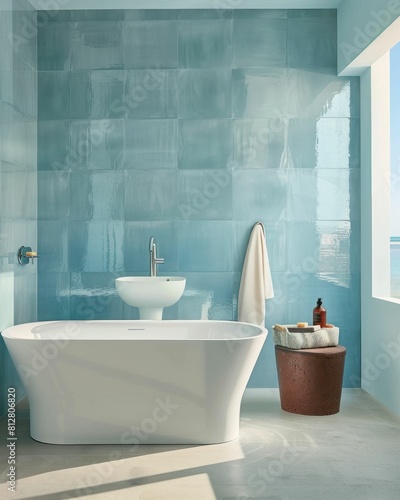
x=154, y=313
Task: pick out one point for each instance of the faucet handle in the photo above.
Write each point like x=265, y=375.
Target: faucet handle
x=159, y=260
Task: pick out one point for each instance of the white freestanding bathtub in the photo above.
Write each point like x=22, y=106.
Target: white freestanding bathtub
x=134, y=382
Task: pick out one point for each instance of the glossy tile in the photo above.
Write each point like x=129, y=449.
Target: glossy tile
x=276, y=308
x=337, y=290
x=304, y=198
x=325, y=194
x=324, y=143
x=96, y=144
x=53, y=246
x=53, y=145
x=97, y=15
x=322, y=94
x=97, y=195
x=94, y=297
x=252, y=36
x=151, y=44
x=195, y=134
x=351, y=339
x=96, y=94
x=96, y=45
x=18, y=144
x=53, y=296
x=259, y=195
x=53, y=95
x=53, y=195
x=207, y=296
x=151, y=144
x=205, y=43
x=259, y=93
x=204, y=194
x=5, y=42
x=260, y=372
x=205, y=246
x=53, y=46
x=312, y=41
x=25, y=308
x=150, y=93
x=200, y=14
x=5, y=263
x=96, y=246
x=23, y=27
x=136, y=249
x=260, y=14
x=7, y=311
x=54, y=15
x=8, y=113
x=311, y=13
x=204, y=93
x=19, y=197
x=151, y=14
x=20, y=89
x=131, y=313
x=150, y=195
x=323, y=247
x=259, y=143
x=6, y=87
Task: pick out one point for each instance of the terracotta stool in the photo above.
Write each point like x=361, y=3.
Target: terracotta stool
x=310, y=380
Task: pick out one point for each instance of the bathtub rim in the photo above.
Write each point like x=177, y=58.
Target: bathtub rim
x=23, y=331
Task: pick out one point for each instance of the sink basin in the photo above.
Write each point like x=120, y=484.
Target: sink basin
x=150, y=294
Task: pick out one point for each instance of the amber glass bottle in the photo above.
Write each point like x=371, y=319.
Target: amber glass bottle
x=319, y=314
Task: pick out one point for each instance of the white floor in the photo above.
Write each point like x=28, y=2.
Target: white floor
x=279, y=456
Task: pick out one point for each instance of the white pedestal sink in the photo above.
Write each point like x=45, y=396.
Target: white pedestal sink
x=150, y=294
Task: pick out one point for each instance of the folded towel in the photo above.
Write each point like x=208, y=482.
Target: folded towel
x=324, y=337
x=256, y=283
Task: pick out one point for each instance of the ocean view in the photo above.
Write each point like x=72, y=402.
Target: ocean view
x=395, y=266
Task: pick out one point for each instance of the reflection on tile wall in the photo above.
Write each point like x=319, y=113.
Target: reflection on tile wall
x=18, y=172
x=191, y=125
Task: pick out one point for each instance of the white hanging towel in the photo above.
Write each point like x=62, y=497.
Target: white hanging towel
x=256, y=282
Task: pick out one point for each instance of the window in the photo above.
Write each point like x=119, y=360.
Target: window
x=395, y=171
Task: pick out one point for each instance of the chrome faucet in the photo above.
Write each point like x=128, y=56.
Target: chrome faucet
x=154, y=260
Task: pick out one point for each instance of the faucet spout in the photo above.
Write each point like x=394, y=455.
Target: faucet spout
x=154, y=260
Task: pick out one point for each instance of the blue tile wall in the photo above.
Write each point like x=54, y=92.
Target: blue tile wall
x=251, y=36
x=200, y=197
x=151, y=144
x=149, y=93
x=259, y=93
x=18, y=176
x=205, y=43
x=54, y=47
x=191, y=125
x=311, y=39
x=151, y=45
x=91, y=94
x=96, y=45
x=53, y=95
x=194, y=134
x=95, y=144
